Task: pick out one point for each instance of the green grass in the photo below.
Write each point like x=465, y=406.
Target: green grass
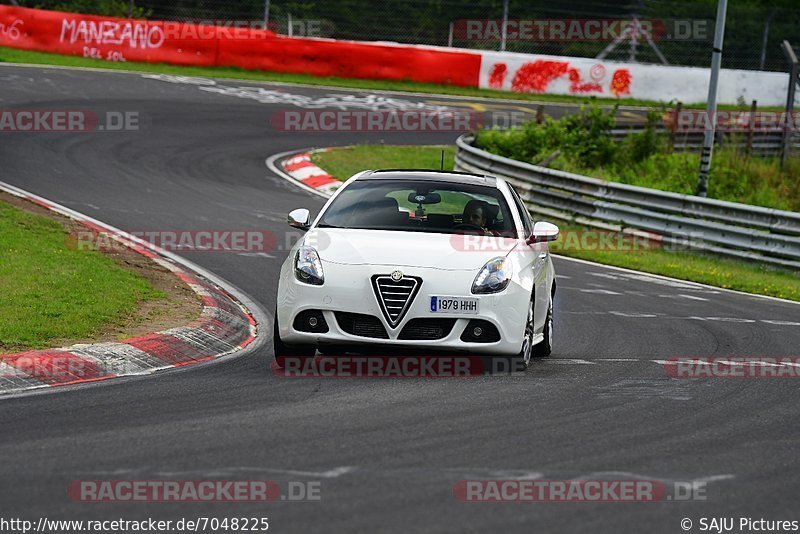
x=51, y=293
x=744, y=276
x=343, y=163
x=758, y=181
x=685, y=265
x=13, y=55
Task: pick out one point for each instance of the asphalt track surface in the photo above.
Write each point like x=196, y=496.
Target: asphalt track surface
x=387, y=452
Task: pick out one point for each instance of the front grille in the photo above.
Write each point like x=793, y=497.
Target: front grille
x=427, y=329
x=359, y=324
x=395, y=297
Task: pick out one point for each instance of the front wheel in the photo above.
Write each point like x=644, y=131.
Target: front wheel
x=523, y=359
x=284, y=352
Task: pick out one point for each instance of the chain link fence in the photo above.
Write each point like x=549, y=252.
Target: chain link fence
x=675, y=32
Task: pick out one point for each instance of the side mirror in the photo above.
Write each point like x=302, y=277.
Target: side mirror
x=543, y=232
x=300, y=219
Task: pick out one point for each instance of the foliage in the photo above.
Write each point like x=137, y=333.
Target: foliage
x=584, y=136
x=643, y=159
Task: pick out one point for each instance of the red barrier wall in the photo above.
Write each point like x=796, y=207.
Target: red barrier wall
x=347, y=59
x=107, y=38
x=189, y=44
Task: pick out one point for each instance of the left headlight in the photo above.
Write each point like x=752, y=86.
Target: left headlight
x=493, y=277
x=308, y=267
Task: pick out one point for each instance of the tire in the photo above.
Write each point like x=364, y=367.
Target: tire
x=283, y=351
x=521, y=361
x=545, y=347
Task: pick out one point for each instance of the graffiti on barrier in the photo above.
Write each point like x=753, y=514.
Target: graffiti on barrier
x=538, y=76
x=12, y=31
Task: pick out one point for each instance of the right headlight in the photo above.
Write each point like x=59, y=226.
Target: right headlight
x=493, y=277
x=308, y=266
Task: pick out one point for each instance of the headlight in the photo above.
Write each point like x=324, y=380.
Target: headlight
x=308, y=267
x=493, y=277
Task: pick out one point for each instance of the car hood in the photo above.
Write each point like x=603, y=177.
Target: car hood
x=406, y=249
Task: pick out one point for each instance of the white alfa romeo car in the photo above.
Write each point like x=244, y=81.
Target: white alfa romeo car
x=418, y=259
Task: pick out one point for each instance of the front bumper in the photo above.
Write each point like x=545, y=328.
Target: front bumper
x=348, y=288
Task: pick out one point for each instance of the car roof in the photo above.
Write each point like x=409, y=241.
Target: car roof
x=436, y=176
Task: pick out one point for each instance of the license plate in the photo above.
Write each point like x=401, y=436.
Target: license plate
x=460, y=305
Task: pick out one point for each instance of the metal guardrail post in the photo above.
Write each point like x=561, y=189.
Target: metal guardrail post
x=673, y=131
x=789, y=119
x=751, y=127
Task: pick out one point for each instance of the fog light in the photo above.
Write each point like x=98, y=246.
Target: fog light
x=310, y=321
x=480, y=331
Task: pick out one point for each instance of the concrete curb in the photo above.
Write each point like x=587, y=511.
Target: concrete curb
x=226, y=325
x=301, y=169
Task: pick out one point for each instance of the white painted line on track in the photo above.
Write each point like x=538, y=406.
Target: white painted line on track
x=676, y=280
x=600, y=291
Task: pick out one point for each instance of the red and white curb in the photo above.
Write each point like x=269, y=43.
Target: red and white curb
x=226, y=325
x=301, y=168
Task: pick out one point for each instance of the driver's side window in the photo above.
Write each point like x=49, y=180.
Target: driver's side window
x=527, y=224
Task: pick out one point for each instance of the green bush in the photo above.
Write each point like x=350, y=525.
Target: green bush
x=644, y=159
x=640, y=146
x=587, y=136
x=584, y=136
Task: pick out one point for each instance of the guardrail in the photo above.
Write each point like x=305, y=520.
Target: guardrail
x=727, y=228
x=760, y=142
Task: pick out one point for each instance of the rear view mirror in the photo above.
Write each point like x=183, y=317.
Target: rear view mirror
x=300, y=219
x=427, y=198
x=543, y=232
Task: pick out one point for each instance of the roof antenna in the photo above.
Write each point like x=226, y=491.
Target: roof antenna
x=442, y=166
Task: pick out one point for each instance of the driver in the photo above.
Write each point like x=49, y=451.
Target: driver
x=476, y=214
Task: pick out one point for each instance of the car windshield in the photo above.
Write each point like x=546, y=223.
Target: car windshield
x=420, y=206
